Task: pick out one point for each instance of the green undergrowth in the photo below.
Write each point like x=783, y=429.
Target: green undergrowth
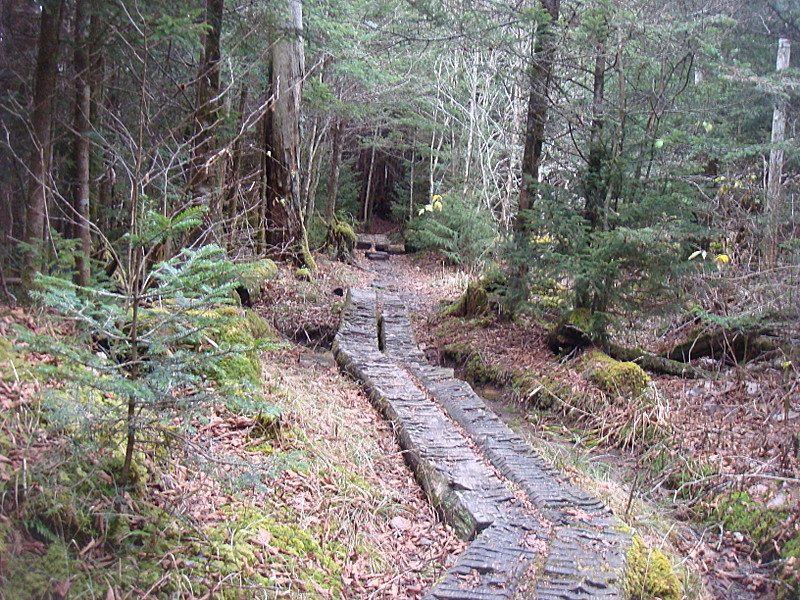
x=769, y=531
x=68, y=522
x=625, y=411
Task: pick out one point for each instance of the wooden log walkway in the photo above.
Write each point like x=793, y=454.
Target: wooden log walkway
x=534, y=535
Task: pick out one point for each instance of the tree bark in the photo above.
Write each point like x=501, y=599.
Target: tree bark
x=283, y=159
x=774, y=202
x=540, y=75
x=207, y=108
x=44, y=88
x=336, y=163
x=81, y=147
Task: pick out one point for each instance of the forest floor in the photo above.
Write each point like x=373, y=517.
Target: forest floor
x=324, y=507
x=717, y=486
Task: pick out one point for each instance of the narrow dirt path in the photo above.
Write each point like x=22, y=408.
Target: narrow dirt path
x=535, y=535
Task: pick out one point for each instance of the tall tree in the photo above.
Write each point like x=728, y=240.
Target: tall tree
x=540, y=75
x=81, y=147
x=44, y=89
x=283, y=138
x=207, y=107
x=774, y=204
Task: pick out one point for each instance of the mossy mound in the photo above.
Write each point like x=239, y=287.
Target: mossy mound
x=649, y=574
x=303, y=274
x=477, y=369
x=614, y=377
x=237, y=335
x=254, y=275
x=472, y=303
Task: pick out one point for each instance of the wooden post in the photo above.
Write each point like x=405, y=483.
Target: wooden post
x=774, y=204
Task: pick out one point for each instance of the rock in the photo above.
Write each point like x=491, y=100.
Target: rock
x=400, y=523
x=778, y=502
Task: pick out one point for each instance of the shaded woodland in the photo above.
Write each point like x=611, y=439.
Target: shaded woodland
x=618, y=175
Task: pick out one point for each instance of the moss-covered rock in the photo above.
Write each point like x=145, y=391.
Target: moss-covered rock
x=621, y=378
x=303, y=274
x=575, y=330
x=649, y=574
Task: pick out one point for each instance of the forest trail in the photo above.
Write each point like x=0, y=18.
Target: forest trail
x=535, y=535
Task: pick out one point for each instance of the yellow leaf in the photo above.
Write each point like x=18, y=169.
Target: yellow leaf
x=722, y=258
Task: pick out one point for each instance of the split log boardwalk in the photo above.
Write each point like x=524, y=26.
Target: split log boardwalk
x=535, y=535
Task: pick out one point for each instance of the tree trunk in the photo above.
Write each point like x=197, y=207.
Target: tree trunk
x=336, y=163
x=44, y=88
x=81, y=148
x=233, y=187
x=207, y=108
x=370, y=173
x=774, y=202
x=540, y=75
x=595, y=184
x=283, y=173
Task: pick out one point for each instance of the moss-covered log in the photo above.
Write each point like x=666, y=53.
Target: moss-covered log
x=653, y=363
x=575, y=331
x=733, y=345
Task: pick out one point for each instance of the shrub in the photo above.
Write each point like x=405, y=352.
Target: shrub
x=463, y=231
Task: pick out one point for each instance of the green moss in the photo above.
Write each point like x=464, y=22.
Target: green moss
x=458, y=352
x=624, y=378
x=473, y=302
x=479, y=370
x=304, y=256
x=789, y=574
x=259, y=327
x=237, y=330
x=737, y=511
x=649, y=574
x=33, y=576
x=303, y=274
x=255, y=274
x=344, y=232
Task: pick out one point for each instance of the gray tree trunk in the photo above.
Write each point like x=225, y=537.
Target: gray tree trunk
x=774, y=200
x=540, y=75
x=283, y=172
x=81, y=147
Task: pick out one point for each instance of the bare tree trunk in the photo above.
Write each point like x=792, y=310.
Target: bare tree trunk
x=336, y=163
x=284, y=202
x=368, y=191
x=774, y=202
x=207, y=108
x=233, y=187
x=595, y=183
x=44, y=88
x=81, y=148
x=541, y=69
